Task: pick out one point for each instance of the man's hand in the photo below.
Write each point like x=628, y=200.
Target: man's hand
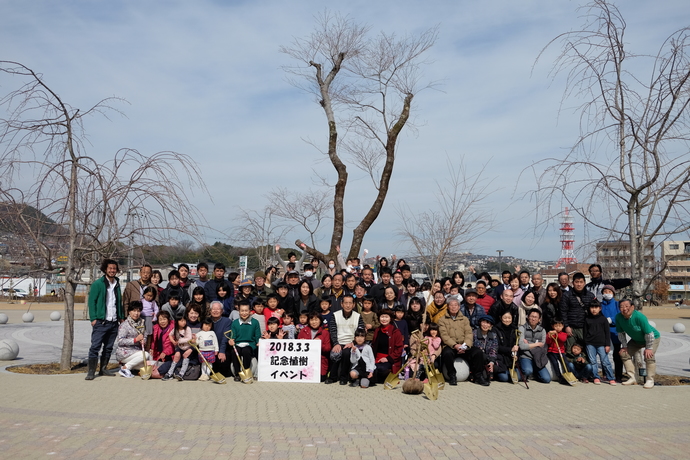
x=139, y=338
x=93, y=323
x=623, y=351
x=648, y=354
x=607, y=349
x=337, y=349
x=277, y=247
x=221, y=357
x=231, y=342
x=569, y=331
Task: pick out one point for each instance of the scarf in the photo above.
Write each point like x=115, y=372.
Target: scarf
x=137, y=325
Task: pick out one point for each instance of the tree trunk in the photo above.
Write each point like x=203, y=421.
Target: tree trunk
x=361, y=230
x=68, y=334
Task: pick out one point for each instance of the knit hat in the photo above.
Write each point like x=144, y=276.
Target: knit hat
x=608, y=286
x=259, y=274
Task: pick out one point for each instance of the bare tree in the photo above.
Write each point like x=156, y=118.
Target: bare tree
x=459, y=217
x=89, y=210
x=365, y=85
x=628, y=174
x=308, y=210
x=260, y=231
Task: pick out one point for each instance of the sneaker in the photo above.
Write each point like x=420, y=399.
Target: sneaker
x=178, y=377
x=354, y=383
x=329, y=381
x=585, y=381
x=126, y=373
x=649, y=384
x=612, y=382
x=343, y=382
x=237, y=378
x=166, y=377
x=597, y=382
x=204, y=378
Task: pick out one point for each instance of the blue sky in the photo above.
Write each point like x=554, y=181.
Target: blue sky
x=204, y=78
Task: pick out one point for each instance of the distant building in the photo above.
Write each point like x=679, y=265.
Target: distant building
x=614, y=258
x=550, y=274
x=676, y=258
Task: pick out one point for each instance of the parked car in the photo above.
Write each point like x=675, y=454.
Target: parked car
x=18, y=293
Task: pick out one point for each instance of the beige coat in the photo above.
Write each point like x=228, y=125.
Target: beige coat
x=455, y=331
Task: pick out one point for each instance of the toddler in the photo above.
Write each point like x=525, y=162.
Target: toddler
x=208, y=347
x=362, y=360
x=555, y=342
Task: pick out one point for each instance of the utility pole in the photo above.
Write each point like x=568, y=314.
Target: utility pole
x=500, y=264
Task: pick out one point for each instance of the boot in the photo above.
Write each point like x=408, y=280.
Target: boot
x=479, y=379
x=103, y=370
x=91, y=373
x=630, y=371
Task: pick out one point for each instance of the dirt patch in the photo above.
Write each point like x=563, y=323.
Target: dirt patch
x=671, y=380
x=78, y=367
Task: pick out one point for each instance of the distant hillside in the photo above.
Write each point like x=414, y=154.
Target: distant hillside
x=15, y=217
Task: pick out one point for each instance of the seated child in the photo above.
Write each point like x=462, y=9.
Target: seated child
x=208, y=346
x=289, y=328
x=362, y=361
x=578, y=364
x=555, y=342
x=180, y=338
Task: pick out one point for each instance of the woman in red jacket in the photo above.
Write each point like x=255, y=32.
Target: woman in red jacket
x=387, y=345
x=316, y=331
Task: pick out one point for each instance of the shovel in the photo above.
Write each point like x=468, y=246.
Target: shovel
x=568, y=376
x=146, y=371
x=513, y=373
x=245, y=374
x=393, y=380
x=430, y=388
x=433, y=374
x=216, y=377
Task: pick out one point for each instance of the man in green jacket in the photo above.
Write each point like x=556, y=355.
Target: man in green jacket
x=642, y=335
x=106, y=313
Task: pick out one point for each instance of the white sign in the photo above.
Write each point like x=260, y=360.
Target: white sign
x=243, y=267
x=282, y=360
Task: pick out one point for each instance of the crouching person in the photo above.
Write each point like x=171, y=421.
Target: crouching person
x=130, y=338
x=642, y=336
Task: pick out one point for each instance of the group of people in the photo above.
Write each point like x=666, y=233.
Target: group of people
x=367, y=329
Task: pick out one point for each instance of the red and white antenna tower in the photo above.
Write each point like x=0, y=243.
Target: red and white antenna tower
x=567, y=241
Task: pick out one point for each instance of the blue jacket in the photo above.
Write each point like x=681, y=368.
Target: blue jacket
x=220, y=327
x=609, y=308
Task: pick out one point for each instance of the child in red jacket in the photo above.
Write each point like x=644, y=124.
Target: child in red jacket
x=316, y=331
x=555, y=342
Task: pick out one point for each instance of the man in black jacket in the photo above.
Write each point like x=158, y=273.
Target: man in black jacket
x=377, y=291
x=597, y=283
x=574, y=307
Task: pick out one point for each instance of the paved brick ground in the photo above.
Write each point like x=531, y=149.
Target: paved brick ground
x=67, y=417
